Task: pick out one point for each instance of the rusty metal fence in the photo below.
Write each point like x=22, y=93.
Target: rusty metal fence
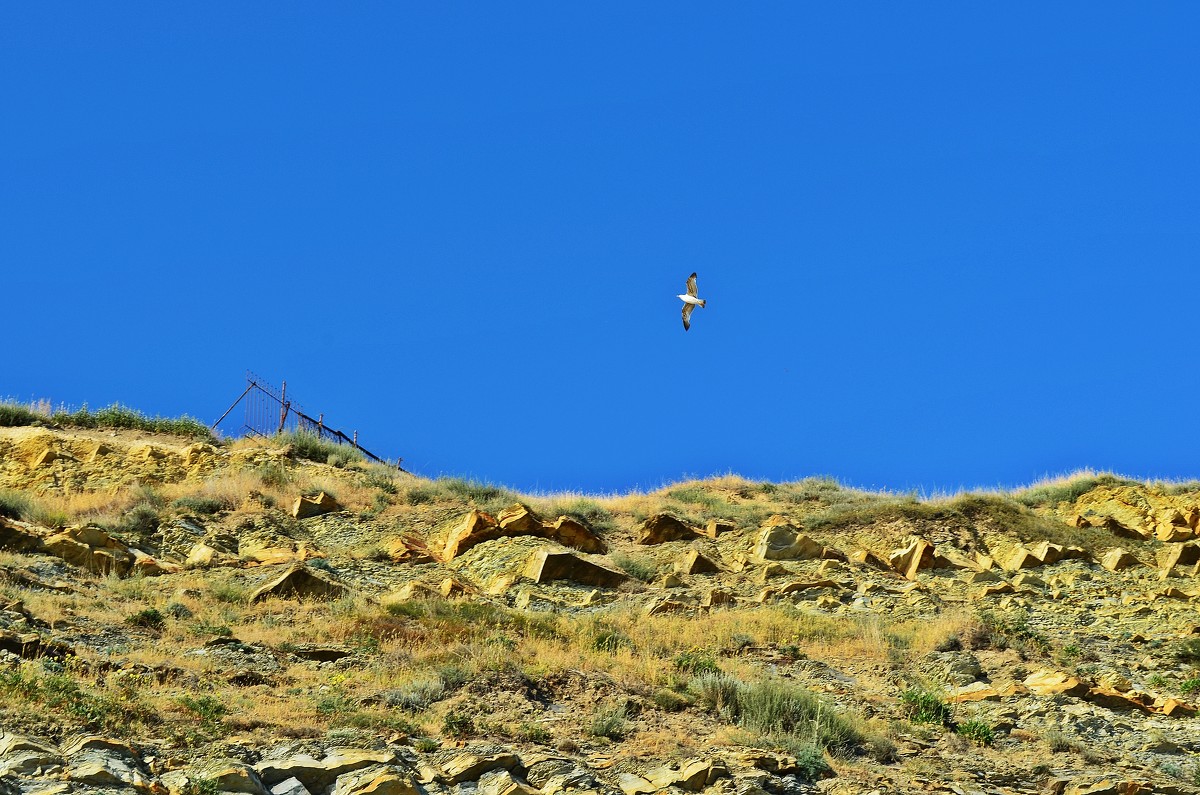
x=269, y=411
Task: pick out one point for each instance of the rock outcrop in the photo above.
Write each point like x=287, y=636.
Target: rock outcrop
x=477, y=527
x=547, y=565
x=301, y=582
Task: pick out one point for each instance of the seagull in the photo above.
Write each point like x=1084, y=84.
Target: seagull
x=690, y=302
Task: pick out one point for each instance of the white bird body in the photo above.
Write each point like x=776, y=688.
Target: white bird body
x=690, y=302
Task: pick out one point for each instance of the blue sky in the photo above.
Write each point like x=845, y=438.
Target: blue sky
x=943, y=244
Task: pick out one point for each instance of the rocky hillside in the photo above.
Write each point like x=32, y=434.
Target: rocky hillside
x=182, y=616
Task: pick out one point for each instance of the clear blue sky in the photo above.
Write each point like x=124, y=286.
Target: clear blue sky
x=943, y=244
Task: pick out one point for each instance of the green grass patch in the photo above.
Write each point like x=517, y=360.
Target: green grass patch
x=588, y=513
x=458, y=726
x=14, y=415
x=696, y=662
x=1051, y=494
x=924, y=706
x=311, y=447
x=485, y=496
x=468, y=620
x=118, y=709
x=787, y=714
x=118, y=416
x=977, y=731
x=15, y=504
x=640, y=568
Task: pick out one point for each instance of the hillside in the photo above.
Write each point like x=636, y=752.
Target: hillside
x=189, y=616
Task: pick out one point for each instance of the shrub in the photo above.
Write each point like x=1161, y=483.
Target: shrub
x=610, y=639
x=207, y=709
x=1187, y=650
x=140, y=521
x=217, y=630
x=1012, y=630
x=14, y=504
x=458, y=726
x=177, y=610
x=118, y=711
x=312, y=447
x=274, y=475
x=718, y=693
x=419, y=495
x=696, y=662
x=639, y=568
x=417, y=695
x=148, y=618
x=810, y=762
x=923, y=706
x=426, y=745
x=14, y=414
x=201, y=505
x=670, y=701
x=201, y=786
x=1060, y=742
x=609, y=721
x=776, y=707
x=485, y=496
x=48, y=517
x=977, y=731
x=1190, y=686
x=229, y=593
x=382, y=480
x=786, y=714
x=533, y=733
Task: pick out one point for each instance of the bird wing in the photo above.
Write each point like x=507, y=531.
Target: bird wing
x=687, y=316
x=691, y=282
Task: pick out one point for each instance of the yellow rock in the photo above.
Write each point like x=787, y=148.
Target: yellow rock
x=43, y=458
x=1049, y=683
x=305, y=507
x=1118, y=560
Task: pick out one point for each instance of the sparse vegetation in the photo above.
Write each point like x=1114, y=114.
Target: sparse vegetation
x=149, y=618
x=640, y=568
x=118, y=416
x=977, y=731
x=14, y=504
x=205, y=506
x=1187, y=650
x=1067, y=489
x=780, y=712
x=312, y=447
x=925, y=706
x=1011, y=629
x=14, y=414
x=458, y=726
x=588, y=674
x=609, y=721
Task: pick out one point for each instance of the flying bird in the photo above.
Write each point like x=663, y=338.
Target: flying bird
x=690, y=302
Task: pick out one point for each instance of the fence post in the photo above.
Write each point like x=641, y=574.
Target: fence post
x=283, y=408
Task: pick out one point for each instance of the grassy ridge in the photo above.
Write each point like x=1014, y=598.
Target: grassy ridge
x=114, y=416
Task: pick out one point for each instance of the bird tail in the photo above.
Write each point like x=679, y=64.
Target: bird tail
x=702, y=303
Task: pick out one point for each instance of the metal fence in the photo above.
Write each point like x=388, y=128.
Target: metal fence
x=269, y=411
